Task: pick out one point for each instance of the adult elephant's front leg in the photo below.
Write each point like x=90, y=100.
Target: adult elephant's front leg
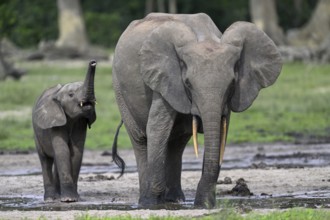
x=160, y=122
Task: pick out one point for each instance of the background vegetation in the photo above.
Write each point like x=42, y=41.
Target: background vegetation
x=295, y=107
x=105, y=20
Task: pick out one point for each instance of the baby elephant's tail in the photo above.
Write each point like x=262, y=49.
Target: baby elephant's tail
x=115, y=157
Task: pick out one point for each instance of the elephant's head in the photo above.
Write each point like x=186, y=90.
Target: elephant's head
x=209, y=77
x=68, y=102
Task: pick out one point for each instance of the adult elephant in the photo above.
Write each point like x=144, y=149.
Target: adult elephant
x=171, y=70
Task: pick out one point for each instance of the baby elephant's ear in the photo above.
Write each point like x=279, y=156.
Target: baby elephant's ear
x=48, y=112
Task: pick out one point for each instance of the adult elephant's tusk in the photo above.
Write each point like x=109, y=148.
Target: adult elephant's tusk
x=223, y=135
x=194, y=130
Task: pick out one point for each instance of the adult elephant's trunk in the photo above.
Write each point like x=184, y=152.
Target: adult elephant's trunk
x=88, y=87
x=213, y=135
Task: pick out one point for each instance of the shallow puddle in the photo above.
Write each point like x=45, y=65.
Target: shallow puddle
x=236, y=157
x=319, y=199
x=242, y=157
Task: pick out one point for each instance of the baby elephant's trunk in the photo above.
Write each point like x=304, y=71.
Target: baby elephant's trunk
x=88, y=87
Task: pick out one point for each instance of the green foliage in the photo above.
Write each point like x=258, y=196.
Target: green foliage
x=8, y=19
x=223, y=13
x=101, y=26
x=27, y=23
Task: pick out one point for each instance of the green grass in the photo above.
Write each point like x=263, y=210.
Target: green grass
x=298, y=103
x=231, y=214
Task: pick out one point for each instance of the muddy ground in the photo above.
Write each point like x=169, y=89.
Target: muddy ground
x=278, y=176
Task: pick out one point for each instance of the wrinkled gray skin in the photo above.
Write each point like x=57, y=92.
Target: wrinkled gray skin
x=60, y=119
x=168, y=68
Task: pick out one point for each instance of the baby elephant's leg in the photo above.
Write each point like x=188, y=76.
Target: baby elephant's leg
x=64, y=169
x=49, y=186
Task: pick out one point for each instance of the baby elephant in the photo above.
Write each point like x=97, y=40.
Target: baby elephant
x=60, y=118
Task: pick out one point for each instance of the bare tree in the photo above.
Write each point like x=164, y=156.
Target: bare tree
x=264, y=15
x=71, y=26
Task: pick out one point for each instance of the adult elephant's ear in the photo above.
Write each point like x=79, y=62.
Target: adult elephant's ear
x=48, y=112
x=160, y=63
x=258, y=63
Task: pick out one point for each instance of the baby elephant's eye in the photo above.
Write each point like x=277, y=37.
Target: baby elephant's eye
x=71, y=94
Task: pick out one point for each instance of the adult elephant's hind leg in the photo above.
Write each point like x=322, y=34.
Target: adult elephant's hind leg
x=179, y=138
x=140, y=151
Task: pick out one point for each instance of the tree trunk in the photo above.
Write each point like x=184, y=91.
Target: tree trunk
x=149, y=6
x=316, y=31
x=172, y=7
x=264, y=15
x=161, y=5
x=7, y=68
x=71, y=26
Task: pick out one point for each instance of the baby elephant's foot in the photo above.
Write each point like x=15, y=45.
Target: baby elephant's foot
x=69, y=193
x=50, y=198
x=70, y=198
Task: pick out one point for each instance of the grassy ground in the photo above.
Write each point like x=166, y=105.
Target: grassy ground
x=296, y=105
x=231, y=214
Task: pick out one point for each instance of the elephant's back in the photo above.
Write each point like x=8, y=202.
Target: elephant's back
x=133, y=96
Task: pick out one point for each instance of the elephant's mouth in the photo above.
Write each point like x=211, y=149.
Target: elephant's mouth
x=87, y=103
x=197, y=125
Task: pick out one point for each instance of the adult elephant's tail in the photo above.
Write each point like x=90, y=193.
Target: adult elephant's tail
x=115, y=157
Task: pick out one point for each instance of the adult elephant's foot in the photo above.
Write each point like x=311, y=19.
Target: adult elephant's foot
x=69, y=193
x=205, y=196
x=151, y=201
x=174, y=195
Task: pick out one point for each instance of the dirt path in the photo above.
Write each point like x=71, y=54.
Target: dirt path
x=279, y=175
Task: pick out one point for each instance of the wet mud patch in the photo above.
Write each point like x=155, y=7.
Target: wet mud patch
x=36, y=204
x=276, y=177
x=281, y=156
x=306, y=200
